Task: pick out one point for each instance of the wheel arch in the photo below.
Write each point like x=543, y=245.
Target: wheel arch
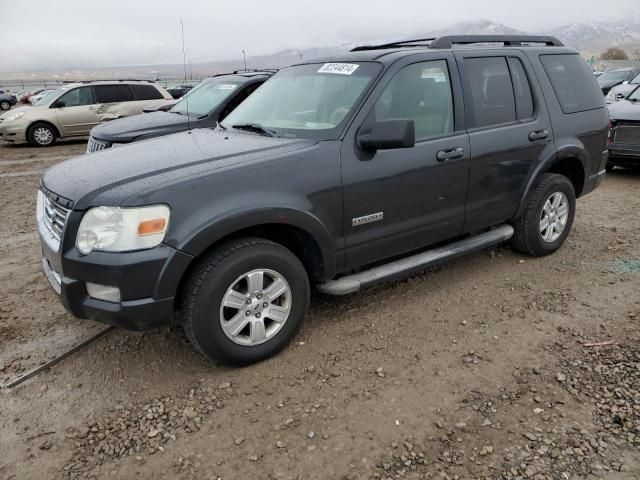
x=300, y=232
x=46, y=122
x=569, y=161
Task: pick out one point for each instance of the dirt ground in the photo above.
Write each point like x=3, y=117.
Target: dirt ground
x=480, y=369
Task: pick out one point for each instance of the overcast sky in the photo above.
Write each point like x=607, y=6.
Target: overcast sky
x=86, y=33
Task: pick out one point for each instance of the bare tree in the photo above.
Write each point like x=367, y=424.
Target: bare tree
x=614, y=53
x=636, y=54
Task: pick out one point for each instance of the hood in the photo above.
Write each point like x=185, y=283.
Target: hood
x=148, y=124
x=624, y=89
x=608, y=83
x=109, y=177
x=625, y=110
x=14, y=110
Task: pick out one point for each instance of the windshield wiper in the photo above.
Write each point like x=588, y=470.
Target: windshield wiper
x=254, y=127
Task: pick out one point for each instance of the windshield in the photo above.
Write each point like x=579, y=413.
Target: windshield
x=635, y=95
x=613, y=76
x=47, y=97
x=205, y=97
x=306, y=101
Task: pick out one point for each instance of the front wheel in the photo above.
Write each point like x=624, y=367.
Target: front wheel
x=5, y=105
x=548, y=216
x=41, y=135
x=245, y=301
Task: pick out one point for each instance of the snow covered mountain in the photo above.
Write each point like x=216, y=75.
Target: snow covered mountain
x=597, y=36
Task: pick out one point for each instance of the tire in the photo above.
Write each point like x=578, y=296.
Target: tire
x=529, y=236
x=210, y=325
x=5, y=105
x=37, y=134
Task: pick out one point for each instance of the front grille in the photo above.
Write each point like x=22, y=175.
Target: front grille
x=96, y=145
x=54, y=217
x=627, y=134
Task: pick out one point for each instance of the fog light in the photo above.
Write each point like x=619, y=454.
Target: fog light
x=103, y=292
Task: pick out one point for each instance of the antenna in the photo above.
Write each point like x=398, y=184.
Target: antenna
x=184, y=64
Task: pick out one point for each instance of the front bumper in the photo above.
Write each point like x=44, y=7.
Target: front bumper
x=13, y=131
x=148, y=280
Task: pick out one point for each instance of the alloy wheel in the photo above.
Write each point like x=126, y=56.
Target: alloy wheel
x=43, y=136
x=554, y=216
x=255, y=307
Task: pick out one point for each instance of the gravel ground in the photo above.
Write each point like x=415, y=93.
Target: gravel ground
x=484, y=368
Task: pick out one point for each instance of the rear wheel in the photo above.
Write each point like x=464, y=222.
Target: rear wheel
x=548, y=216
x=41, y=134
x=5, y=105
x=245, y=301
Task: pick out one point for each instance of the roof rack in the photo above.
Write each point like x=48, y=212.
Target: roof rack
x=111, y=80
x=448, y=41
x=418, y=42
x=254, y=70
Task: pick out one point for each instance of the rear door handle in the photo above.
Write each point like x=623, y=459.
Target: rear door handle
x=450, y=154
x=538, y=135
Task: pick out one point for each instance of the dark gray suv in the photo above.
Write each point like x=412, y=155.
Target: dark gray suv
x=337, y=173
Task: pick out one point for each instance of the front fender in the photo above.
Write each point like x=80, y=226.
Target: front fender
x=218, y=228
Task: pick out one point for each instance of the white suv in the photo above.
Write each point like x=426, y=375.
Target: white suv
x=76, y=108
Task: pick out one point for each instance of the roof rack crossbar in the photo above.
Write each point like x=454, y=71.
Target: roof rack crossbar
x=449, y=41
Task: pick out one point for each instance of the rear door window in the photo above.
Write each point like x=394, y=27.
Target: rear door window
x=493, y=101
x=113, y=93
x=575, y=86
x=146, y=92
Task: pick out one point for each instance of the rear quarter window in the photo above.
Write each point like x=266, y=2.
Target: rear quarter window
x=575, y=86
x=146, y=92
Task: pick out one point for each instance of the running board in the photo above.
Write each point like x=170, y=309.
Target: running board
x=414, y=263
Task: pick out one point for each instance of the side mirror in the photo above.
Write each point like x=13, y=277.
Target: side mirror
x=57, y=104
x=388, y=134
x=626, y=82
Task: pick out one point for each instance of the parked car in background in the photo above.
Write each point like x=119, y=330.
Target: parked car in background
x=620, y=91
x=74, y=109
x=618, y=76
x=339, y=173
x=34, y=98
x=26, y=97
x=624, y=135
x=204, y=106
x=6, y=100
x=178, y=91
x=160, y=107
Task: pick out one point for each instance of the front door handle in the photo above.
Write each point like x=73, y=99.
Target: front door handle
x=450, y=154
x=538, y=135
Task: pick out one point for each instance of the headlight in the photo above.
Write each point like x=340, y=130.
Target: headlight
x=115, y=229
x=13, y=116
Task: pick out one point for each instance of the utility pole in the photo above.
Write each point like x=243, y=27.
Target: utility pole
x=244, y=56
x=190, y=72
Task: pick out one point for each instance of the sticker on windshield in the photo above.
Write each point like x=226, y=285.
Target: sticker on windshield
x=226, y=86
x=339, y=68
